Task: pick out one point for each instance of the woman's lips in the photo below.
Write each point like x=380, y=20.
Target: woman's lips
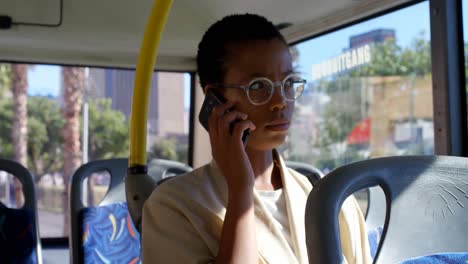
x=278, y=127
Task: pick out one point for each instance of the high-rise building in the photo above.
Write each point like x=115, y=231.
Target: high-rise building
x=95, y=82
x=170, y=106
x=166, y=113
x=119, y=87
x=374, y=36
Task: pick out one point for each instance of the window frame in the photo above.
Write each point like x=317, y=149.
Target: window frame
x=450, y=110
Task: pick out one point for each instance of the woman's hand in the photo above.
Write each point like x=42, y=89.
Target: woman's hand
x=238, y=238
x=228, y=150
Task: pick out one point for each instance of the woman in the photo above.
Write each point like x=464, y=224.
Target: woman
x=245, y=206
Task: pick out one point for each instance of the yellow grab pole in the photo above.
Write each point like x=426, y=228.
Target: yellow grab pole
x=144, y=73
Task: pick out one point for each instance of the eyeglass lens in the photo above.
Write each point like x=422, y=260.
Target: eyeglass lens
x=260, y=91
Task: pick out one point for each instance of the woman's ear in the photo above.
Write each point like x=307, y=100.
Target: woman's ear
x=208, y=86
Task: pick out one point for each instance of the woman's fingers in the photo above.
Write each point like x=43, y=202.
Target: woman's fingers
x=240, y=127
x=219, y=110
x=226, y=122
x=217, y=113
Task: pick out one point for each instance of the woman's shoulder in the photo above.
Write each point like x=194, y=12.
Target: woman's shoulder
x=300, y=178
x=189, y=187
x=184, y=181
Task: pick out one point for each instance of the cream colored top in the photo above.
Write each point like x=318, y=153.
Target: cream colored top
x=275, y=203
x=183, y=220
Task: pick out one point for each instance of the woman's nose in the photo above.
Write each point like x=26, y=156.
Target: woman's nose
x=278, y=101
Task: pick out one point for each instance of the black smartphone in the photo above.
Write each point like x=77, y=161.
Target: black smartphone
x=212, y=99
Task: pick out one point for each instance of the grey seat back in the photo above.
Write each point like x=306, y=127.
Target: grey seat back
x=375, y=214
x=161, y=169
x=427, y=207
x=28, y=210
x=312, y=173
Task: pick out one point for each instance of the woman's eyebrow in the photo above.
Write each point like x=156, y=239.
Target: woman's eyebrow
x=256, y=75
x=289, y=72
x=285, y=73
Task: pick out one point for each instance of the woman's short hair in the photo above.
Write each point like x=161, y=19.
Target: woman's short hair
x=213, y=50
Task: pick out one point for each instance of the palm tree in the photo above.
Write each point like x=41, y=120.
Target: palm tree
x=5, y=79
x=73, y=81
x=19, y=135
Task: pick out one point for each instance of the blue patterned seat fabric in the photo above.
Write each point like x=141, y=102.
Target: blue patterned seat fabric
x=17, y=236
x=442, y=258
x=374, y=239
x=108, y=235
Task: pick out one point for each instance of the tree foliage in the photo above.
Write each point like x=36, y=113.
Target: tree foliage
x=6, y=122
x=44, y=138
x=164, y=149
x=170, y=149
x=390, y=59
x=108, y=131
x=5, y=79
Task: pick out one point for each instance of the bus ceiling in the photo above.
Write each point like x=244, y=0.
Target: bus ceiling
x=109, y=32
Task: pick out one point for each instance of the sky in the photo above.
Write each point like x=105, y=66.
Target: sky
x=408, y=23
x=44, y=80
x=403, y=21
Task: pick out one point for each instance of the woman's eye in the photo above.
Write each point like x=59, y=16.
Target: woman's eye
x=291, y=83
x=294, y=78
x=256, y=86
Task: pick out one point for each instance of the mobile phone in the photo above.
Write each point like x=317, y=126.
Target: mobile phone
x=212, y=99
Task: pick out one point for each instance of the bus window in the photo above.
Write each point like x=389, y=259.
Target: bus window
x=369, y=91
x=368, y=95
x=78, y=114
x=465, y=43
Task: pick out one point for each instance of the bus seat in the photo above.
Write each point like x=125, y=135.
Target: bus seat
x=102, y=234
x=161, y=169
x=375, y=217
x=140, y=186
x=375, y=214
x=374, y=235
x=376, y=203
x=106, y=233
x=426, y=212
x=19, y=232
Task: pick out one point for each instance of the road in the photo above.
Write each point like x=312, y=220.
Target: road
x=50, y=224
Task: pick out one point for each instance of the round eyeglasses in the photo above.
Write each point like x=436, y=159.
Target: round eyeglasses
x=260, y=90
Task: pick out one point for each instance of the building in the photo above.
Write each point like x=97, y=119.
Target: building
x=358, y=53
x=374, y=36
x=166, y=113
x=119, y=88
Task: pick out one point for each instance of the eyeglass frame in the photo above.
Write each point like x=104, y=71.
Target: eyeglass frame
x=272, y=84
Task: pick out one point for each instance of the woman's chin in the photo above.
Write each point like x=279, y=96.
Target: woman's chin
x=267, y=143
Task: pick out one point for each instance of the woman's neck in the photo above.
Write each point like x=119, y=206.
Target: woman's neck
x=267, y=175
